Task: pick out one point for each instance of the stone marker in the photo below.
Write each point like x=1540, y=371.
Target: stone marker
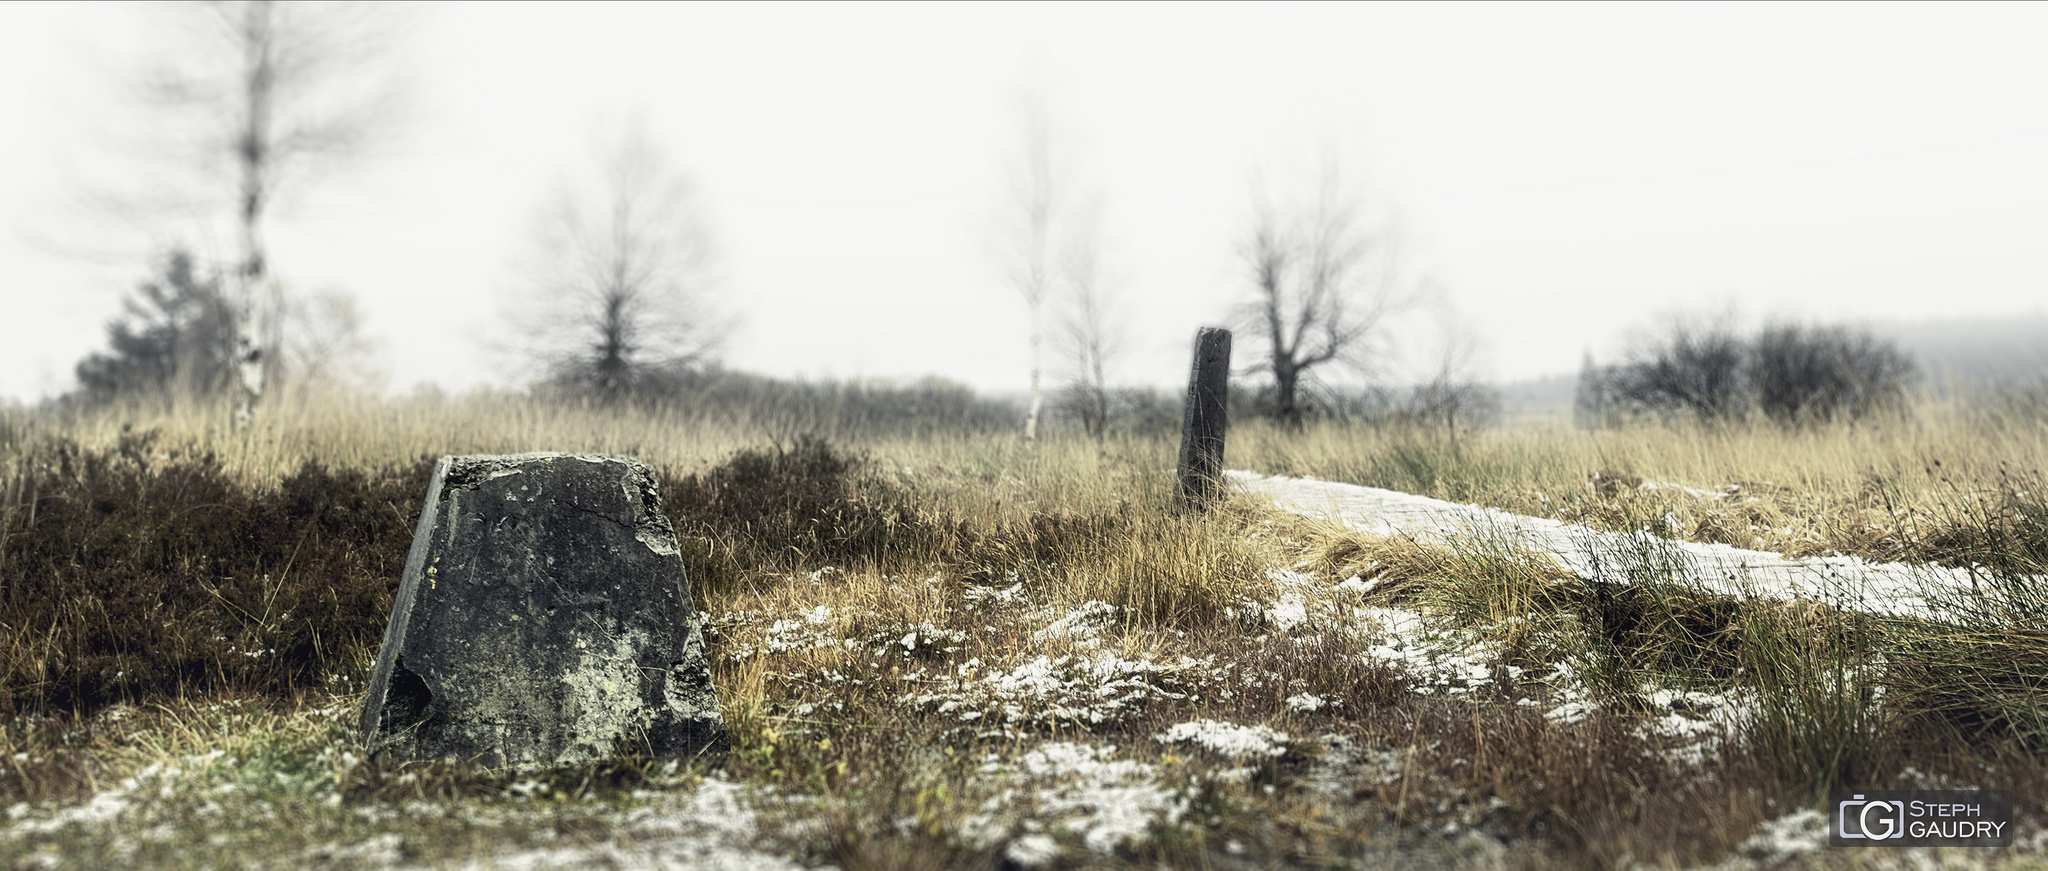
x=543, y=620
x=1203, y=420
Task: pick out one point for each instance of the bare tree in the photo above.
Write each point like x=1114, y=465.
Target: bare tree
x=267, y=91
x=1041, y=200
x=1052, y=253
x=1451, y=403
x=1450, y=396
x=1326, y=273
x=1090, y=332
x=324, y=345
x=619, y=290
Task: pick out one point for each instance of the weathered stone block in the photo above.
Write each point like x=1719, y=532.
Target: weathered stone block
x=543, y=619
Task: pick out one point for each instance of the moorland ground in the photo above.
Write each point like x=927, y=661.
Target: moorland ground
x=942, y=649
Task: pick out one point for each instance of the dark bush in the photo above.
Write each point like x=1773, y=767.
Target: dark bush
x=784, y=508
x=1696, y=370
x=126, y=574
x=1794, y=375
x=1817, y=374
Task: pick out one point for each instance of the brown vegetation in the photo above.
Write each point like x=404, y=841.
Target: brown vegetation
x=895, y=623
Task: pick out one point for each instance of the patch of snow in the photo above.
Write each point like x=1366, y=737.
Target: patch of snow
x=1092, y=690
x=1284, y=615
x=1571, y=712
x=713, y=826
x=1306, y=702
x=1436, y=661
x=1795, y=834
x=1032, y=850
x=1079, y=790
x=1228, y=739
x=809, y=630
x=157, y=780
x=102, y=808
x=614, y=856
x=1691, y=725
x=381, y=850
x=1010, y=595
x=1084, y=621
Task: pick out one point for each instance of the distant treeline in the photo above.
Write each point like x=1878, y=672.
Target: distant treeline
x=930, y=406
x=786, y=409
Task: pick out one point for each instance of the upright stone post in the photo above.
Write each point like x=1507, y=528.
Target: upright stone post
x=543, y=619
x=1200, y=471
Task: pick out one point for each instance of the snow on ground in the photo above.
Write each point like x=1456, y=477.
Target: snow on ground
x=1227, y=739
x=714, y=827
x=1842, y=581
x=1780, y=841
x=1088, y=687
x=1436, y=660
x=711, y=826
x=1691, y=725
x=1685, y=725
x=1079, y=790
x=1046, y=798
x=1083, y=690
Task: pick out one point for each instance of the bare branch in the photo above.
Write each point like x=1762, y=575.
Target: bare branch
x=1043, y=203
x=1092, y=328
x=624, y=257
x=1325, y=275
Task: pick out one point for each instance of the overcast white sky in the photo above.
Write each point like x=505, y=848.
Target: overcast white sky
x=1567, y=171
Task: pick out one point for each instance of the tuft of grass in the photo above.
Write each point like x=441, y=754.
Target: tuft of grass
x=1819, y=682
x=1978, y=672
x=1998, y=527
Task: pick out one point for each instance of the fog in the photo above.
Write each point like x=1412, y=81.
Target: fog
x=1560, y=174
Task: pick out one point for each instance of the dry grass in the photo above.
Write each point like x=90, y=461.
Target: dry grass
x=1945, y=484
x=953, y=652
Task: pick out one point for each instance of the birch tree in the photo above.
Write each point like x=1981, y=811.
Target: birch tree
x=265, y=93
x=1052, y=255
x=1039, y=201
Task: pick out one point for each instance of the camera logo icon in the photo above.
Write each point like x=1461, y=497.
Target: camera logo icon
x=1874, y=820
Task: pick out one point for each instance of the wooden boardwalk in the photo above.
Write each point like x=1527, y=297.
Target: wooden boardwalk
x=1839, y=581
